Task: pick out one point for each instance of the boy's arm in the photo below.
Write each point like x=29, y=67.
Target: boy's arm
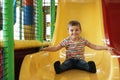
x=52, y=48
x=97, y=47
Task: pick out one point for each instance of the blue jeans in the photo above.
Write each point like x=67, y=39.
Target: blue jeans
x=73, y=63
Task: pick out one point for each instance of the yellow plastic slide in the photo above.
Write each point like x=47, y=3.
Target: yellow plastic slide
x=39, y=66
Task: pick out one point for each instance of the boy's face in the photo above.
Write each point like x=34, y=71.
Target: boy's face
x=74, y=31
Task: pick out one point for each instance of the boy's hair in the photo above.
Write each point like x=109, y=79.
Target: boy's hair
x=74, y=23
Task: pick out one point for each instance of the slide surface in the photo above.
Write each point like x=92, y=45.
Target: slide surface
x=39, y=66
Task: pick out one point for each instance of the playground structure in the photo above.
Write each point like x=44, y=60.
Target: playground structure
x=97, y=26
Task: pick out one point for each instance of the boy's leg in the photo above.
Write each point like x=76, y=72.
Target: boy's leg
x=66, y=65
x=83, y=65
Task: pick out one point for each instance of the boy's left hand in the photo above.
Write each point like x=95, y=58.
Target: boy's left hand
x=110, y=49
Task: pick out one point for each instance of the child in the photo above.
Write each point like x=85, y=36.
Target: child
x=75, y=45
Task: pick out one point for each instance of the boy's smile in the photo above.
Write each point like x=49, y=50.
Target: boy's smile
x=74, y=31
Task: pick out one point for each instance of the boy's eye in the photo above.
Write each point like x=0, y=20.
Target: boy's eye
x=71, y=30
x=76, y=30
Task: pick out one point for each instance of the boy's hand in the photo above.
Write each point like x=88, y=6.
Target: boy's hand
x=40, y=49
x=110, y=49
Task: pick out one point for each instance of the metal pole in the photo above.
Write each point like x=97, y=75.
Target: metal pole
x=8, y=38
x=20, y=20
x=52, y=13
x=39, y=24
